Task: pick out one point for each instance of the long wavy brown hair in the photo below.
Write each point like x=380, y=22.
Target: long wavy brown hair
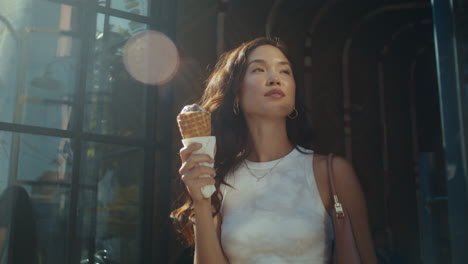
x=230, y=129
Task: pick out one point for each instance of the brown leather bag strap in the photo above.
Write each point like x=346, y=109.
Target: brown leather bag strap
x=345, y=250
x=339, y=212
x=331, y=177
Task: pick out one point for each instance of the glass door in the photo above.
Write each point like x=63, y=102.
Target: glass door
x=451, y=42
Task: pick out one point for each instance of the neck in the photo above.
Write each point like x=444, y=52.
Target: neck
x=269, y=139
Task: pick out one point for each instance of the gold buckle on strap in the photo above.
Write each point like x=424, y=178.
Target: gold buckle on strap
x=338, y=208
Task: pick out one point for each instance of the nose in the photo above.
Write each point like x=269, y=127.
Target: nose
x=274, y=80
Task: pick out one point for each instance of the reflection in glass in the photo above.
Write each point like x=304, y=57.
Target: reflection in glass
x=109, y=202
x=40, y=155
x=5, y=147
x=35, y=171
x=39, y=63
x=17, y=219
x=115, y=101
x=51, y=200
x=138, y=7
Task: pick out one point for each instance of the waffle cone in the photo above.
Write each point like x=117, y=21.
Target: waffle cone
x=194, y=124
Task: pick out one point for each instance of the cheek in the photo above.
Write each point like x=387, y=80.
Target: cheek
x=292, y=90
x=252, y=83
x=250, y=89
x=291, y=96
x=247, y=99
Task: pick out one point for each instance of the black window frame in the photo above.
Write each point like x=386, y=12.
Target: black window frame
x=154, y=196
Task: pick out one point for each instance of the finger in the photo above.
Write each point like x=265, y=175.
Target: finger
x=195, y=184
x=197, y=172
x=186, y=151
x=193, y=160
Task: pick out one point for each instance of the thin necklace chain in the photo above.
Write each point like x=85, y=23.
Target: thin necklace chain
x=267, y=173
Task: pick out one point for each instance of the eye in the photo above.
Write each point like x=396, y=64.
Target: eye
x=258, y=69
x=286, y=71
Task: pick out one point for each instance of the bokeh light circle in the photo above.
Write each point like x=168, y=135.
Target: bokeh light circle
x=151, y=57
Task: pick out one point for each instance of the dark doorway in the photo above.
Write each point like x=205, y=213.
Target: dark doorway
x=370, y=76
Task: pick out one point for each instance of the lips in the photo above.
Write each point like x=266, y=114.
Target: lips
x=275, y=93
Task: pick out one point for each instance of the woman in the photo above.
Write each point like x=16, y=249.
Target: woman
x=272, y=193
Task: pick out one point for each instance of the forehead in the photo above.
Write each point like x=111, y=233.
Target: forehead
x=267, y=53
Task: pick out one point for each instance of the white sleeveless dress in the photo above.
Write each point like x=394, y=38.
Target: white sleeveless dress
x=277, y=219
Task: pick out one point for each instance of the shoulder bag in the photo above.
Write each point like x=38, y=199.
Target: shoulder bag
x=345, y=250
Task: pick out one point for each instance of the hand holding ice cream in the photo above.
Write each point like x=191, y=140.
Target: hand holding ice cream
x=195, y=126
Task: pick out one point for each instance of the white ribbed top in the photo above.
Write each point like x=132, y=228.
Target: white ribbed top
x=277, y=219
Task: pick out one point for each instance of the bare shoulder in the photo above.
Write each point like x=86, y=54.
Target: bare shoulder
x=345, y=176
x=345, y=179
x=340, y=164
x=320, y=163
x=320, y=157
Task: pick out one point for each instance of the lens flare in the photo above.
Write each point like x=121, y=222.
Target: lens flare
x=151, y=57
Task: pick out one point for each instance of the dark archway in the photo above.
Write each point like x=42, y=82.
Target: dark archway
x=369, y=72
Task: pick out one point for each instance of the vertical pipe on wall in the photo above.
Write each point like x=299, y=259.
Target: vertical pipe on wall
x=308, y=67
x=272, y=17
x=347, y=100
x=420, y=190
x=220, y=26
x=384, y=136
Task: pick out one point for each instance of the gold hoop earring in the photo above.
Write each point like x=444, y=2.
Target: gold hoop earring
x=295, y=115
x=235, y=108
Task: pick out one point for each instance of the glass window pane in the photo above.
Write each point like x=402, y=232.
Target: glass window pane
x=40, y=155
x=115, y=103
x=30, y=158
x=34, y=198
x=38, y=69
x=139, y=7
x=109, y=202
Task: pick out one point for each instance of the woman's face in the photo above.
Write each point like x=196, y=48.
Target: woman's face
x=268, y=88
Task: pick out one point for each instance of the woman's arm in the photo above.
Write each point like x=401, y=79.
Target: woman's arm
x=207, y=237
x=351, y=196
x=206, y=228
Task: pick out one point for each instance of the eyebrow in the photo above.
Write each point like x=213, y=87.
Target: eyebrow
x=263, y=61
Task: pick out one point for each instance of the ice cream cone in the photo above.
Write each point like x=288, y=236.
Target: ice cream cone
x=194, y=124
